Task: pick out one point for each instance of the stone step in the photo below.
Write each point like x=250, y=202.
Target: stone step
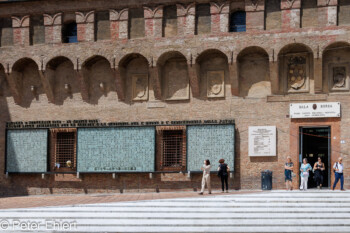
x=163, y=229
x=171, y=215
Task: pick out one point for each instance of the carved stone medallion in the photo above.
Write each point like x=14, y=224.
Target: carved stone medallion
x=339, y=77
x=296, y=72
x=140, y=87
x=215, y=83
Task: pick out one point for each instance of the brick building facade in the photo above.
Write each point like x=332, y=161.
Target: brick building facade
x=181, y=70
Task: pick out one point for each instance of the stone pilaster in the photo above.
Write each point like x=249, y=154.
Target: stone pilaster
x=119, y=24
x=219, y=17
x=85, y=26
x=155, y=80
x=53, y=28
x=21, y=30
x=186, y=20
x=290, y=14
x=255, y=14
x=194, y=80
x=120, y=82
x=153, y=21
x=327, y=12
x=234, y=78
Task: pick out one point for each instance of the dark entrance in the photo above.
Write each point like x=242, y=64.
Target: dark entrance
x=314, y=143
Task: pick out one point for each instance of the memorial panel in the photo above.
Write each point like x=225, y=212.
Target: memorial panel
x=262, y=141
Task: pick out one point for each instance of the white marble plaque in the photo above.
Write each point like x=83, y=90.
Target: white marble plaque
x=315, y=110
x=262, y=140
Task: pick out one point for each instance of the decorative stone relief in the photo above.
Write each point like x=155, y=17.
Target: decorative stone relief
x=140, y=87
x=297, y=73
x=215, y=84
x=339, y=77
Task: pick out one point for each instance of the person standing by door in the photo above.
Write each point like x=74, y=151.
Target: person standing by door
x=206, y=176
x=318, y=169
x=338, y=172
x=223, y=171
x=305, y=168
x=288, y=169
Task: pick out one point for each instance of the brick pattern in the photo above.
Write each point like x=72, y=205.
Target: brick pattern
x=26, y=151
x=116, y=149
x=211, y=142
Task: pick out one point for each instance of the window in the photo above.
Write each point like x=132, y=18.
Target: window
x=238, y=21
x=170, y=21
x=6, y=33
x=203, y=19
x=309, y=13
x=136, y=23
x=37, y=30
x=63, y=149
x=344, y=12
x=171, y=147
x=102, y=26
x=70, y=33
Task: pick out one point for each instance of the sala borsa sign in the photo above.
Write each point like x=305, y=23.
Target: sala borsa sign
x=314, y=110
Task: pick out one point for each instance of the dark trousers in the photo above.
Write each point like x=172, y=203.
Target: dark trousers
x=224, y=180
x=339, y=176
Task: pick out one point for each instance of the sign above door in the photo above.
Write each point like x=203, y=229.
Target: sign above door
x=314, y=110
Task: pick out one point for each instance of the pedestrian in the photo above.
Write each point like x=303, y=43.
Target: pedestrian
x=288, y=169
x=318, y=170
x=305, y=168
x=206, y=176
x=338, y=172
x=223, y=171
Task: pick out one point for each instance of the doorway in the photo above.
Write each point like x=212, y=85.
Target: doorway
x=314, y=143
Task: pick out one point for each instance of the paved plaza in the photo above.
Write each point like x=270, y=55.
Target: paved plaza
x=239, y=211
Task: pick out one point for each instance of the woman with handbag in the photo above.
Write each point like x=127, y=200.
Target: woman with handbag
x=305, y=168
x=318, y=170
x=288, y=171
x=223, y=171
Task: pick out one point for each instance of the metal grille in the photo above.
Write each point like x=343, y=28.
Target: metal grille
x=173, y=148
x=65, y=148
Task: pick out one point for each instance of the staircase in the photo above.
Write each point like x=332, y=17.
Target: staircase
x=275, y=211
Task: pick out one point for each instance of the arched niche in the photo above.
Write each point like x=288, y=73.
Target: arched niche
x=213, y=73
x=173, y=70
x=62, y=77
x=254, y=72
x=100, y=78
x=28, y=82
x=134, y=70
x=295, y=62
x=336, y=67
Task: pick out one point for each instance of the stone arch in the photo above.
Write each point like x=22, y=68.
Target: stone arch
x=336, y=67
x=25, y=73
x=134, y=73
x=295, y=62
x=61, y=75
x=100, y=77
x=213, y=74
x=254, y=72
x=173, y=72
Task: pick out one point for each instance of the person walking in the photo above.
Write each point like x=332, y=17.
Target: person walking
x=206, y=176
x=338, y=172
x=305, y=168
x=288, y=169
x=223, y=171
x=318, y=170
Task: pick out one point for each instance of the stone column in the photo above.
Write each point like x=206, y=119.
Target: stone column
x=120, y=83
x=85, y=26
x=14, y=78
x=318, y=76
x=290, y=14
x=119, y=24
x=255, y=14
x=82, y=76
x=194, y=80
x=47, y=76
x=234, y=78
x=153, y=21
x=155, y=80
x=53, y=28
x=186, y=20
x=275, y=82
x=219, y=17
x=327, y=12
x=21, y=30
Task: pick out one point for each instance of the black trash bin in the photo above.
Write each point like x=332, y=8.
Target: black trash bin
x=266, y=180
